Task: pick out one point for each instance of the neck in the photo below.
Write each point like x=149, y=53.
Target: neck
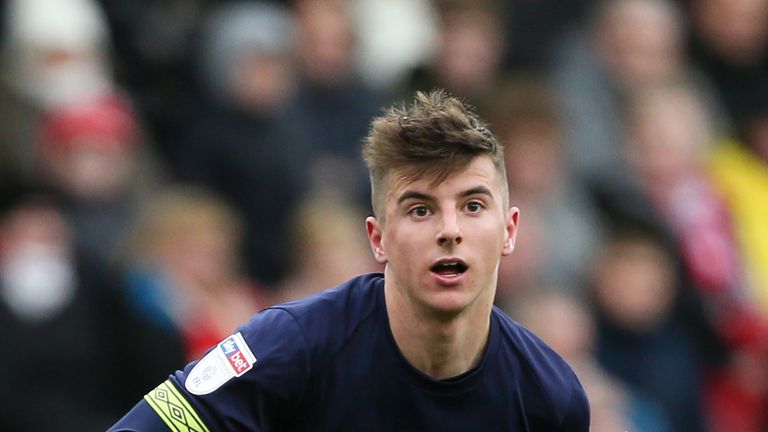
x=440, y=346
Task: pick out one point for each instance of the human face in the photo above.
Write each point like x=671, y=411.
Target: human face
x=442, y=243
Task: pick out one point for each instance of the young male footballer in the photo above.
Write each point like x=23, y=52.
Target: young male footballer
x=418, y=348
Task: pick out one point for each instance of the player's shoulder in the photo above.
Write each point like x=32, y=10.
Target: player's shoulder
x=357, y=292
x=287, y=342
x=541, y=364
x=340, y=307
x=328, y=318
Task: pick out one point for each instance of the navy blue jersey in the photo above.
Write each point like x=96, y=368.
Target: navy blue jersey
x=330, y=363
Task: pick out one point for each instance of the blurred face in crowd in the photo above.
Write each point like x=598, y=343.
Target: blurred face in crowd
x=36, y=273
x=55, y=75
x=634, y=284
x=92, y=169
x=639, y=41
x=470, y=52
x=562, y=323
x=325, y=40
x=89, y=148
x=195, y=244
x=206, y=256
x=667, y=137
x=330, y=248
x=262, y=82
x=35, y=225
x=735, y=29
x=533, y=158
x=442, y=243
x=56, y=51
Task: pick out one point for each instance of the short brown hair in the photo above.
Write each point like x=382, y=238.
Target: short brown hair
x=434, y=137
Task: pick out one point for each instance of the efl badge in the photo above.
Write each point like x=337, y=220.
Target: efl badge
x=231, y=358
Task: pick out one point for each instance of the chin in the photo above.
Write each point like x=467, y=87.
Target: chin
x=449, y=303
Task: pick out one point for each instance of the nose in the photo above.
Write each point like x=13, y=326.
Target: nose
x=449, y=232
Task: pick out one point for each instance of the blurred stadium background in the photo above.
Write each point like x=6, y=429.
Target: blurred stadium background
x=169, y=168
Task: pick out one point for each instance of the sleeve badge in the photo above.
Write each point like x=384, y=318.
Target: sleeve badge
x=229, y=359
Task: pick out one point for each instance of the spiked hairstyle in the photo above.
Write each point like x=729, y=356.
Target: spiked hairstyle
x=436, y=136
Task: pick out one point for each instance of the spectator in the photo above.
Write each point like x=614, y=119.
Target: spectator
x=469, y=54
x=153, y=44
x=628, y=43
x=335, y=106
x=65, y=335
x=55, y=52
x=329, y=247
x=667, y=143
x=729, y=44
x=90, y=151
x=740, y=170
x=562, y=226
x=183, y=270
x=245, y=143
x=739, y=396
x=565, y=324
x=668, y=140
x=636, y=287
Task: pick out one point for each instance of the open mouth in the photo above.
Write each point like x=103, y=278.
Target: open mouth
x=449, y=267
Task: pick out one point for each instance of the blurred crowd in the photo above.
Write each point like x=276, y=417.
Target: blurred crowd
x=169, y=168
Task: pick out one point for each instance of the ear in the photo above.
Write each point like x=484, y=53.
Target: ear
x=374, y=229
x=511, y=231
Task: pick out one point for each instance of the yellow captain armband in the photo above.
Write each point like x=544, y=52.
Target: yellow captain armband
x=175, y=411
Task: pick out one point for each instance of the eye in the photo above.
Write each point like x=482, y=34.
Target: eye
x=474, y=206
x=419, y=211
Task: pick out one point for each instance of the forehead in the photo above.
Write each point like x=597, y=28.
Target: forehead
x=481, y=171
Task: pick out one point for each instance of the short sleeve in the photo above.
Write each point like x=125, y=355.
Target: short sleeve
x=249, y=381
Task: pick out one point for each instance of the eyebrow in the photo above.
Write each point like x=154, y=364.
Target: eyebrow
x=477, y=190
x=414, y=195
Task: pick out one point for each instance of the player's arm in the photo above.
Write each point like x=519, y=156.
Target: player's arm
x=250, y=379
x=142, y=418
